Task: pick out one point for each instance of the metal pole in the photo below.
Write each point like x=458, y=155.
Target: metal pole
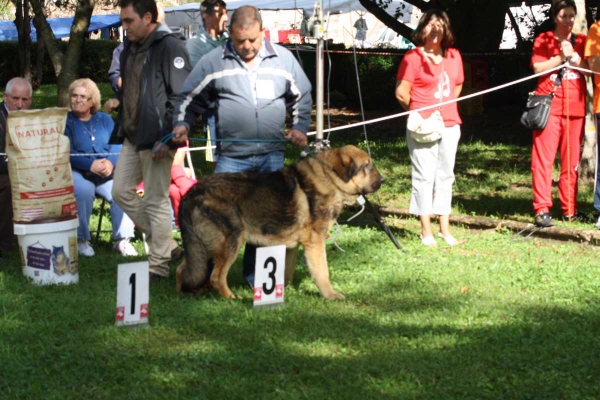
x=320, y=69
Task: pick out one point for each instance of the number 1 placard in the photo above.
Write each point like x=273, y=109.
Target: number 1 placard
x=269, y=275
x=132, y=294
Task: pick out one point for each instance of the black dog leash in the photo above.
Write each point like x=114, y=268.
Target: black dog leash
x=385, y=228
x=307, y=151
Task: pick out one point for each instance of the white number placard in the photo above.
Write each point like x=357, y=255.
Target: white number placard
x=269, y=275
x=132, y=294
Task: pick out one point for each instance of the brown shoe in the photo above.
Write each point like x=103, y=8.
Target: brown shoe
x=155, y=278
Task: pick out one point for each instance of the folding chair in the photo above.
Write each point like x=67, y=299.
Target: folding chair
x=99, y=227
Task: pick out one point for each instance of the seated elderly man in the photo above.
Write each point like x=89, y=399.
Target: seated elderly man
x=17, y=96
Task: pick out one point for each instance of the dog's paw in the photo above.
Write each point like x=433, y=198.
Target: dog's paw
x=334, y=296
x=229, y=295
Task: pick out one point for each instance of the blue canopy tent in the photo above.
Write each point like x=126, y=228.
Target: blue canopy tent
x=62, y=26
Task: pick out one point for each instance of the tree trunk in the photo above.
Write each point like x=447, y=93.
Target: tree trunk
x=23, y=24
x=26, y=66
x=38, y=71
x=587, y=165
x=66, y=66
x=19, y=24
x=591, y=236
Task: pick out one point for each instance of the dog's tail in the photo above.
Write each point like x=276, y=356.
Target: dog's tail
x=193, y=272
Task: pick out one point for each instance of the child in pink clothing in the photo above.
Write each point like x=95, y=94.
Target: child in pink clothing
x=181, y=182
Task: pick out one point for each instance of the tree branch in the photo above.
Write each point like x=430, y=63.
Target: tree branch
x=515, y=26
x=387, y=19
x=79, y=30
x=422, y=5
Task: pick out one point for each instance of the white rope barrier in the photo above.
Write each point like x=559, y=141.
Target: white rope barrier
x=436, y=105
x=201, y=148
x=93, y=154
x=402, y=114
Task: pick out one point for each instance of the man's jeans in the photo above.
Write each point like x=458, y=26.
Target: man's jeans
x=269, y=162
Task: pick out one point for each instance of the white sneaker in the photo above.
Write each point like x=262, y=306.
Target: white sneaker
x=450, y=240
x=84, y=248
x=124, y=247
x=598, y=223
x=428, y=240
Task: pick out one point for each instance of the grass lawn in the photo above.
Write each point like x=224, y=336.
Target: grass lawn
x=492, y=318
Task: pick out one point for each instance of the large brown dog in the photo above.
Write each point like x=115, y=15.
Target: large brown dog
x=296, y=205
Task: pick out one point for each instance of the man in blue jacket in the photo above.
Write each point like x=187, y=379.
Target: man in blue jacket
x=254, y=84
x=154, y=64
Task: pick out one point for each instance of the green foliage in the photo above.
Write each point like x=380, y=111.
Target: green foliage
x=6, y=12
x=377, y=79
x=377, y=74
x=377, y=71
x=95, y=60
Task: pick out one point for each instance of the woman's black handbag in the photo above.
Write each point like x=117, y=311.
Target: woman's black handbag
x=537, y=111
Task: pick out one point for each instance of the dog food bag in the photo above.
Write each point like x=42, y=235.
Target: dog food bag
x=39, y=165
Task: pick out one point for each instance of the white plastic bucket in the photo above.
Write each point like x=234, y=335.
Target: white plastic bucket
x=49, y=251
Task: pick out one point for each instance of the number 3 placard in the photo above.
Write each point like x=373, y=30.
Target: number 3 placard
x=269, y=275
x=132, y=294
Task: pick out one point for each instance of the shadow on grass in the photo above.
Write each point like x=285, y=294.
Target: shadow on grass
x=547, y=354
x=498, y=206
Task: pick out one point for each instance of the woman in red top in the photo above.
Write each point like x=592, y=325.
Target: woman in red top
x=564, y=130
x=430, y=74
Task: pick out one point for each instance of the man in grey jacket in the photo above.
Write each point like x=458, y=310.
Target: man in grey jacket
x=154, y=64
x=253, y=83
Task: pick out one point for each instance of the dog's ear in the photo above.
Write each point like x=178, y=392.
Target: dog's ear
x=342, y=163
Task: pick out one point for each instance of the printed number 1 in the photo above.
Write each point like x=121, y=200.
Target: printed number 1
x=271, y=275
x=132, y=283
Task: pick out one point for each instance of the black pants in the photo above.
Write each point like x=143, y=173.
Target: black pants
x=8, y=240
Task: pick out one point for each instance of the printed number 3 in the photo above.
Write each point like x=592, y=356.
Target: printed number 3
x=271, y=275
